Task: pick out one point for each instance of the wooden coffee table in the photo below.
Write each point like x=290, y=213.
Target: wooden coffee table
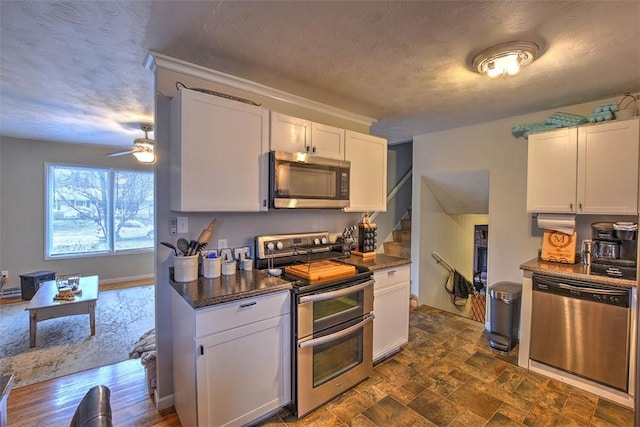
x=42, y=306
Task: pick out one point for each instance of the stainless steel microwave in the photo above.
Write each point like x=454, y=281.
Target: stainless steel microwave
x=299, y=180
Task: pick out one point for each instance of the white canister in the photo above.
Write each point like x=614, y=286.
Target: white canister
x=211, y=267
x=185, y=268
x=247, y=264
x=228, y=268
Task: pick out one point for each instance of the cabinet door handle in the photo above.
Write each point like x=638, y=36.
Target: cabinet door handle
x=249, y=304
x=571, y=207
x=337, y=335
x=580, y=206
x=201, y=350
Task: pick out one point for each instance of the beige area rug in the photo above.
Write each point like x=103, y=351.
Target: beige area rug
x=65, y=345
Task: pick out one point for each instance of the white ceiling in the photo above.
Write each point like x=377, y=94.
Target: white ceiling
x=72, y=71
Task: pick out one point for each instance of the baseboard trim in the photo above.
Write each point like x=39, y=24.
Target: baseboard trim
x=164, y=402
x=127, y=279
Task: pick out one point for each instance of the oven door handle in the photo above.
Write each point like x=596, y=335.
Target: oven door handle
x=337, y=335
x=335, y=294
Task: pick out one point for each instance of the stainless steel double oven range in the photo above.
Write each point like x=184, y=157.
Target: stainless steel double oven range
x=332, y=342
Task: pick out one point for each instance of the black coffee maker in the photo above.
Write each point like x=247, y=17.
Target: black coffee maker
x=615, y=249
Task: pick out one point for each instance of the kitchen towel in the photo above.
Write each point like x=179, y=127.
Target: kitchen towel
x=564, y=223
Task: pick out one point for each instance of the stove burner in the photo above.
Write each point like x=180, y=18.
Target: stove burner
x=283, y=250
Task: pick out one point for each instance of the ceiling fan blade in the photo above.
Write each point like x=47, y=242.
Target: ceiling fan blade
x=120, y=153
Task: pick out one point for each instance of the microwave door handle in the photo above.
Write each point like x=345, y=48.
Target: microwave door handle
x=335, y=294
x=337, y=335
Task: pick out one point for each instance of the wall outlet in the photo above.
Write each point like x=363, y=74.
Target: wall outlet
x=4, y=277
x=173, y=225
x=222, y=243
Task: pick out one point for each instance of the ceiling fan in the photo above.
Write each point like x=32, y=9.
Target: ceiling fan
x=142, y=147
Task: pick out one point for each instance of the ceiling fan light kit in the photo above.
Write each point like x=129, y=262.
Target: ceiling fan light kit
x=143, y=148
x=505, y=59
x=145, y=153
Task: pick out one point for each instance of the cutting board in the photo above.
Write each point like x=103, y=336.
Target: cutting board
x=559, y=247
x=319, y=271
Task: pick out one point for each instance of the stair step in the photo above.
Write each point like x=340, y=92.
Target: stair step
x=405, y=224
x=397, y=249
x=402, y=236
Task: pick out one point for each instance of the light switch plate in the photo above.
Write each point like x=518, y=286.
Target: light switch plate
x=183, y=224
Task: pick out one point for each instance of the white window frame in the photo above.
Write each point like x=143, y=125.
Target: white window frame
x=48, y=231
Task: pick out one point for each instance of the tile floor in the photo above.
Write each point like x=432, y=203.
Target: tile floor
x=448, y=376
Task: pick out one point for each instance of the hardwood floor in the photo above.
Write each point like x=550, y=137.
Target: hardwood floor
x=53, y=402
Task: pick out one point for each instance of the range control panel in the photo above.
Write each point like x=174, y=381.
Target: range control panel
x=281, y=245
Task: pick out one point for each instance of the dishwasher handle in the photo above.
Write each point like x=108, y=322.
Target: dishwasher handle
x=596, y=292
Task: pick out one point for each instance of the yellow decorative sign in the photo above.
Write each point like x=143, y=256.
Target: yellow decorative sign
x=559, y=247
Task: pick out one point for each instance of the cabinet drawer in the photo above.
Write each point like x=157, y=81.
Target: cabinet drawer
x=389, y=276
x=241, y=312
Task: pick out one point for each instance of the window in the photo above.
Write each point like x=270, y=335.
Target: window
x=97, y=211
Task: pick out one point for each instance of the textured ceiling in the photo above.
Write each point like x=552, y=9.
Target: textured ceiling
x=72, y=71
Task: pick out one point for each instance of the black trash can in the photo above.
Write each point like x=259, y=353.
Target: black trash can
x=505, y=315
x=30, y=282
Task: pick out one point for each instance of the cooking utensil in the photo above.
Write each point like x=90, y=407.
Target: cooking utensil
x=193, y=247
x=170, y=246
x=206, y=233
x=183, y=245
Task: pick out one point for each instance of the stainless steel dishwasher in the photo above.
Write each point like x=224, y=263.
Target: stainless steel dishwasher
x=582, y=328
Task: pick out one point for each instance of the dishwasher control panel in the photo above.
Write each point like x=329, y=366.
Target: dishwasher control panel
x=589, y=291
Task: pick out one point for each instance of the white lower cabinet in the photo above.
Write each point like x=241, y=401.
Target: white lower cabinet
x=231, y=361
x=391, y=292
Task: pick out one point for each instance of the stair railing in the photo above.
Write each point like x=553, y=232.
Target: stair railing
x=395, y=190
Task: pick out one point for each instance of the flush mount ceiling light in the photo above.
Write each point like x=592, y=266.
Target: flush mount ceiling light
x=505, y=58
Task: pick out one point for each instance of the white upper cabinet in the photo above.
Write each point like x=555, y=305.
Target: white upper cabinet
x=368, y=183
x=608, y=168
x=290, y=134
x=327, y=141
x=218, y=154
x=551, y=171
x=295, y=135
x=591, y=169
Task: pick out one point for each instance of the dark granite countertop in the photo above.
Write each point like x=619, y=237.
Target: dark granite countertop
x=379, y=262
x=244, y=284
x=577, y=271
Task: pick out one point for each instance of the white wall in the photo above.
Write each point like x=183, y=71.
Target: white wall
x=22, y=195
x=512, y=239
